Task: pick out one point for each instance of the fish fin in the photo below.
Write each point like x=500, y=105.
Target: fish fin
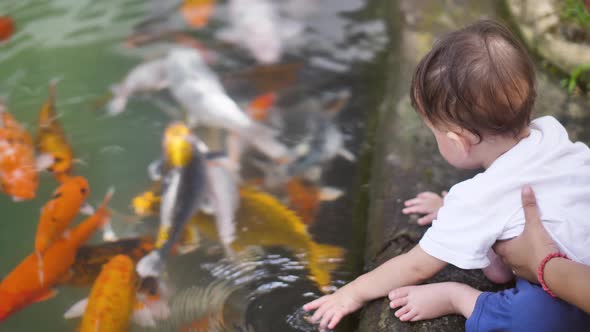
x=262, y=137
x=190, y=239
x=49, y=294
x=330, y=194
x=273, y=175
x=323, y=260
x=151, y=265
x=44, y=161
x=118, y=102
x=66, y=277
x=143, y=317
x=87, y=209
x=301, y=149
x=313, y=174
x=76, y=310
x=17, y=199
x=108, y=233
x=55, y=80
x=79, y=161
x=228, y=35
x=346, y=155
x=40, y=272
x=155, y=169
x=290, y=29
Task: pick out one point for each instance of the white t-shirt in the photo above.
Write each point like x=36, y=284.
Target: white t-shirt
x=488, y=207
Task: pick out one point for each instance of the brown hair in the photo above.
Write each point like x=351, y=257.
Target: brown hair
x=479, y=78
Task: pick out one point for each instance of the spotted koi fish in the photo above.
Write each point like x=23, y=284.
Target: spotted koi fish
x=18, y=168
x=111, y=300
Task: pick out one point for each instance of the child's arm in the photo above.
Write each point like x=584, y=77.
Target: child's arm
x=410, y=268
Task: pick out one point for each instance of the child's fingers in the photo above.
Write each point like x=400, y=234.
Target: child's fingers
x=395, y=303
x=427, y=219
x=319, y=313
x=335, y=320
x=402, y=311
x=314, y=304
x=398, y=292
x=408, y=316
x=327, y=318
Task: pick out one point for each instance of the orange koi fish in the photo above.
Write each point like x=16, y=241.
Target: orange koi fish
x=18, y=169
x=112, y=297
x=23, y=287
x=196, y=13
x=261, y=105
x=6, y=27
x=91, y=258
x=116, y=294
x=59, y=212
x=51, y=139
x=305, y=197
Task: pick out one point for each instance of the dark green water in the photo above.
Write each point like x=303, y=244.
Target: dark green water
x=79, y=41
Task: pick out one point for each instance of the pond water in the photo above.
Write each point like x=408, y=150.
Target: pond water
x=339, y=51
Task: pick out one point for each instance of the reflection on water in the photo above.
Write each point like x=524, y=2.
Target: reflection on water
x=293, y=225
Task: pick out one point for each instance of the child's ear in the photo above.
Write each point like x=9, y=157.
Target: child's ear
x=461, y=141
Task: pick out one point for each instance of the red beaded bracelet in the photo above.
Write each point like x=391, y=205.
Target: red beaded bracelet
x=541, y=269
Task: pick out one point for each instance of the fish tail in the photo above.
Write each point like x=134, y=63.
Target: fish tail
x=52, y=89
x=107, y=198
x=263, y=138
x=151, y=265
x=103, y=210
x=323, y=260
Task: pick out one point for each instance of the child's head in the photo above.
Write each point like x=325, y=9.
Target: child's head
x=475, y=84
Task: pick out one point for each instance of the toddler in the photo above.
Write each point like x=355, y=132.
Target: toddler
x=475, y=90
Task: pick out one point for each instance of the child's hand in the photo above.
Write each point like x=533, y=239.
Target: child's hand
x=427, y=203
x=331, y=308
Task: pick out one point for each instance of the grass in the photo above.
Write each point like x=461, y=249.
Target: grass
x=574, y=11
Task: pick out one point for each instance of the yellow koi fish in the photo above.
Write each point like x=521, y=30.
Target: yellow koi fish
x=52, y=141
x=112, y=297
x=263, y=221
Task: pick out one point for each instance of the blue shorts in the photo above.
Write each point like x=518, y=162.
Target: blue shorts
x=527, y=307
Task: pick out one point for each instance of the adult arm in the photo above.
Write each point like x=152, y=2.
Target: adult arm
x=410, y=268
x=567, y=279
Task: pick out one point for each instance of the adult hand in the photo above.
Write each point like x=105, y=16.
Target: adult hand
x=525, y=252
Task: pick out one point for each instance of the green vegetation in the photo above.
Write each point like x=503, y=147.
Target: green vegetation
x=574, y=11
x=574, y=79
